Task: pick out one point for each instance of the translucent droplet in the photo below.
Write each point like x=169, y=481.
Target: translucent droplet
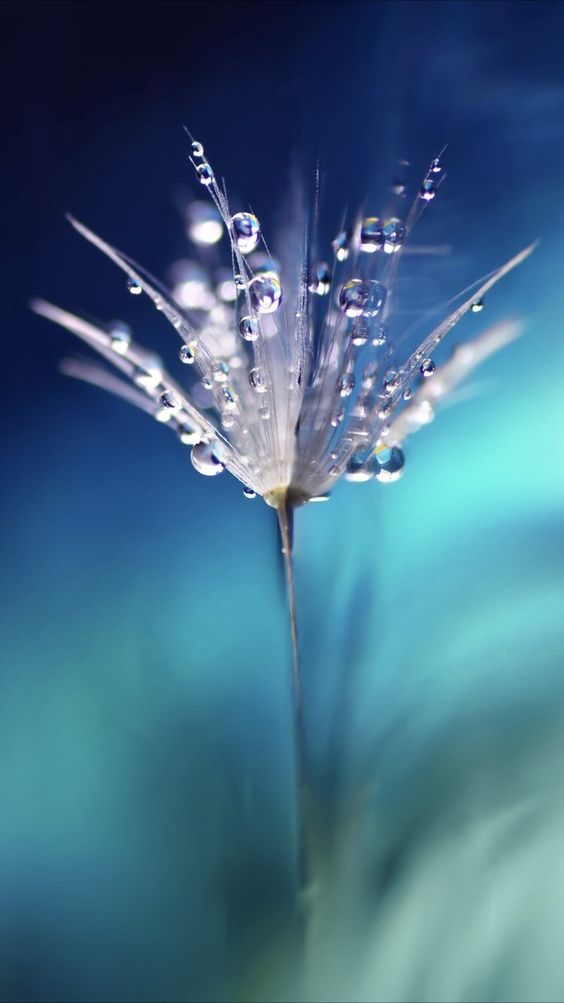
x=264, y=412
x=321, y=280
x=371, y=238
x=197, y=150
x=249, y=493
x=477, y=306
x=393, y=232
x=337, y=418
x=134, y=287
x=187, y=355
x=204, y=226
x=120, y=337
x=346, y=384
x=380, y=335
x=391, y=382
x=385, y=409
x=205, y=461
x=265, y=292
x=258, y=380
x=206, y=383
x=341, y=245
x=248, y=329
x=406, y=395
x=436, y=168
x=428, y=190
x=227, y=420
x=358, y=469
x=246, y=231
x=170, y=401
x=362, y=297
x=389, y=465
x=360, y=333
x=205, y=174
x=239, y=281
x=427, y=368
x=221, y=372
x=148, y=372
x=188, y=436
x=229, y=398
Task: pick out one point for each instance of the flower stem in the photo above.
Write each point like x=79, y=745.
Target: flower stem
x=304, y=798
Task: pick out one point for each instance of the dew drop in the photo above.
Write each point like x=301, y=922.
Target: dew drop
x=227, y=420
x=477, y=306
x=391, y=382
x=346, y=384
x=385, y=409
x=436, y=168
x=380, y=335
x=197, y=150
x=265, y=292
x=264, y=412
x=337, y=418
x=169, y=401
x=341, y=245
x=187, y=355
x=229, y=398
x=188, y=436
x=428, y=190
x=427, y=368
x=249, y=493
x=371, y=238
x=321, y=280
x=205, y=461
x=393, y=232
x=205, y=174
x=248, y=329
x=120, y=338
x=360, y=333
x=359, y=469
x=362, y=297
x=389, y=465
x=134, y=287
x=239, y=281
x=258, y=381
x=221, y=372
x=148, y=372
x=246, y=231
x=406, y=395
x=206, y=383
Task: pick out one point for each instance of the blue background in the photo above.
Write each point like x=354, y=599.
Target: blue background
x=146, y=826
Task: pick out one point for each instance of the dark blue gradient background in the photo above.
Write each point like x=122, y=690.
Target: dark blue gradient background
x=146, y=825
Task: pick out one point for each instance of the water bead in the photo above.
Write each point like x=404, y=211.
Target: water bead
x=120, y=338
x=393, y=232
x=380, y=335
x=346, y=384
x=427, y=368
x=187, y=355
x=341, y=245
x=148, y=372
x=428, y=190
x=406, y=395
x=239, y=281
x=360, y=333
x=197, y=150
x=321, y=281
x=371, y=238
x=358, y=469
x=248, y=329
x=205, y=174
x=258, y=381
x=205, y=461
x=220, y=372
x=206, y=383
x=229, y=399
x=246, y=231
x=391, y=382
x=436, y=167
x=264, y=412
x=249, y=493
x=204, y=226
x=337, y=418
x=134, y=287
x=265, y=292
x=477, y=306
x=170, y=402
x=389, y=464
x=362, y=297
x=188, y=436
x=385, y=409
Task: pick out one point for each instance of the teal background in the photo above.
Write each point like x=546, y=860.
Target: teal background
x=146, y=825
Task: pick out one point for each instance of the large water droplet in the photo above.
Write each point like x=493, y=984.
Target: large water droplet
x=205, y=461
x=204, y=226
x=134, y=287
x=258, y=380
x=246, y=231
x=248, y=329
x=265, y=292
x=120, y=337
x=371, y=238
x=205, y=174
x=362, y=297
x=341, y=245
x=393, y=232
x=249, y=493
x=477, y=306
x=389, y=464
x=427, y=368
x=346, y=384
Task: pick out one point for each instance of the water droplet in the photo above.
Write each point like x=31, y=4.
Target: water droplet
x=341, y=245
x=337, y=418
x=205, y=174
x=389, y=465
x=362, y=297
x=248, y=329
x=371, y=238
x=359, y=469
x=477, y=306
x=120, y=337
x=220, y=372
x=393, y=232
x=205, y=461
x=264, y=412
x=239, y=281
x=265, y=292
x=227, y=420
x=134, y=287
x=169, y=401
x=428, y=190
x=427, y=368
x=249, y=493
x=258, y=380
x=187, y=355
x=360, y=333
x=406, y=395
x=197, y=150
x=148, y=372
x=380, y=335
x=229, y=398
x=206, y=383
x=385, y=409
x=436, y=168
x=391, y=382
x=204, y=226
x=188, y=436
x=398, y=187
x=346, y=384
x=321, y=280
x=246, y=231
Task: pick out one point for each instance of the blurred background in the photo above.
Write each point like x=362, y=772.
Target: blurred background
x=147, y=820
